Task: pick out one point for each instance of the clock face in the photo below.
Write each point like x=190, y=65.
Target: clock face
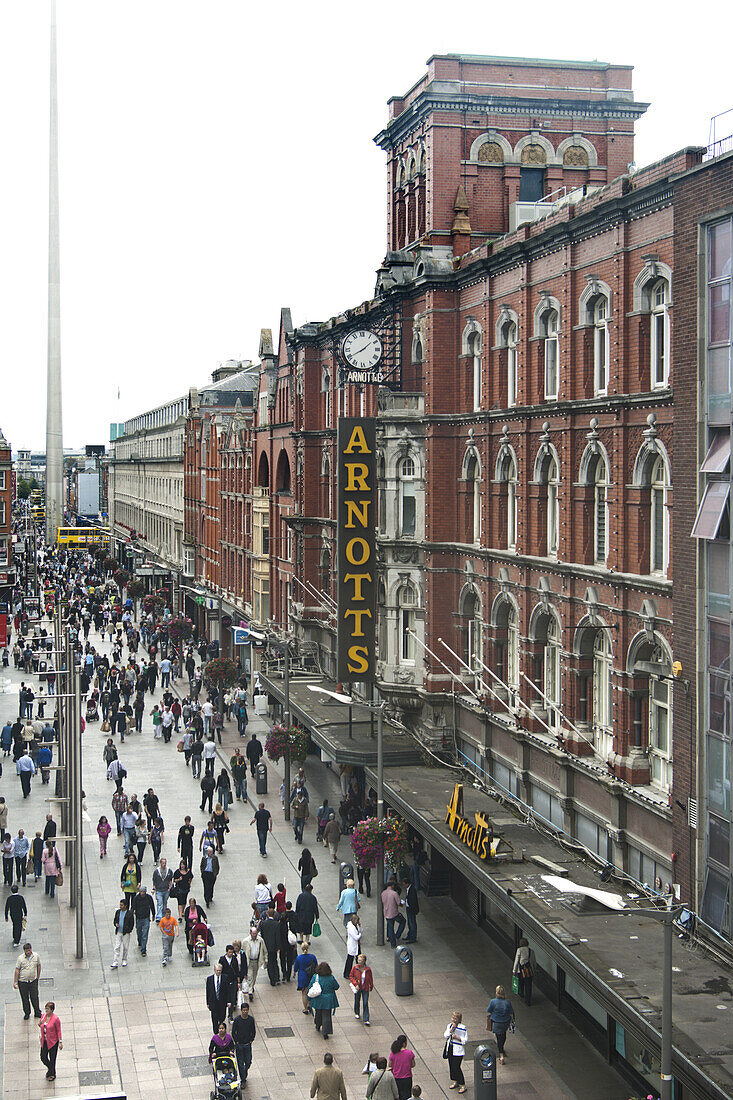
x=362, y=349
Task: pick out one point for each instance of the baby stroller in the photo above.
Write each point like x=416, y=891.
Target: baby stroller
x=200, y=936
x=92, y=713
x=226, y=1078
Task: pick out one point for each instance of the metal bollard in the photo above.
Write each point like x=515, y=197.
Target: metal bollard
x=484, y=1073
x=346, y=872
x=403, y=972
x=261, y=782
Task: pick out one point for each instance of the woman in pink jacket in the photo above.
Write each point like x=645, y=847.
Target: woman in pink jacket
x=51, y=865
x=51, y=1044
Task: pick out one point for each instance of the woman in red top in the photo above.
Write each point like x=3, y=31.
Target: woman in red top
x=279, y=898
x=401, y=1061
x=51, y=1044
x=362, y=984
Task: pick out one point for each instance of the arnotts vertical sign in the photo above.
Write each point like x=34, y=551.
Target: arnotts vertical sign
x=357, y=579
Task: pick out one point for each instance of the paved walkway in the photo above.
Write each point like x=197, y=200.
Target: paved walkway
x=146, y=1029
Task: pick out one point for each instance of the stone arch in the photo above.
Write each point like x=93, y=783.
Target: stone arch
x=472, y=328
x=542, y=610
x=595, y=288
x=501, y=600
x=577, y=140
x=645, y=642
x=491, y=137
x=263, y=472
x=545, y=450
x=507, y=315
x=594, y=449
x=471, y=454
x=651, y=273
x=506, y=451
x=535, y=138
x=649, y=452
x=546, y=302
x=282, y=473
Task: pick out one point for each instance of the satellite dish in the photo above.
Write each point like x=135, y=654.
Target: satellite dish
x=564, y=886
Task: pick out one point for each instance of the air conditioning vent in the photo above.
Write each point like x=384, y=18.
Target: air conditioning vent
x=692, y=813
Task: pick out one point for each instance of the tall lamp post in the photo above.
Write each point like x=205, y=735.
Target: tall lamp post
x=379, y=707
x=666, y=917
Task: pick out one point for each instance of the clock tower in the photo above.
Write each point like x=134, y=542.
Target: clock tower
x=478, y=141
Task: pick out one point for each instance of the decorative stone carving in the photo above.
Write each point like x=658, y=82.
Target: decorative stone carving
x=534, y=154
x=404, y=676
x=490, y=153
x=575, y=157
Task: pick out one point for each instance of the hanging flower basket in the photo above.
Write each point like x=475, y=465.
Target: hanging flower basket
x=372, y=840
x=121, y=577
x=281, y=738
x=180, y=629
x=220, y=672
x=153, y=603
x=135, y=589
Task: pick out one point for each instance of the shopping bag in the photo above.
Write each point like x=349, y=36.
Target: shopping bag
x=316, y=929
x=515, y=983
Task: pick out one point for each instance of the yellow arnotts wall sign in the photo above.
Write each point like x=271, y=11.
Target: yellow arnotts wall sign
x=478, y=837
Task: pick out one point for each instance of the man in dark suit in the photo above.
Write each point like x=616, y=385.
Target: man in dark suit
x=229, y=963
x=218, y=995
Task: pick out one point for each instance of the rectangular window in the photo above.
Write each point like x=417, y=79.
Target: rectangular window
x=531, y=184
x=719, y=777
x=710, y=513
x=718, y=372
x=659, y=348
x=3, y=553
x=719, y=840
x=511, y=371
x=718, y=579
x=408, y=511
x=2, y=479
x=2, y=513
x=407, y=617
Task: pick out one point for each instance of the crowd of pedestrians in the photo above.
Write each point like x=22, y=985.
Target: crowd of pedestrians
x=124, y=662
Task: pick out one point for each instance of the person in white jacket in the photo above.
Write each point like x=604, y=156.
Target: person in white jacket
x=524, y=967
x=456, y=1037
x=353, y=940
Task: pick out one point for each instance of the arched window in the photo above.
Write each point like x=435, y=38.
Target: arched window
x=508, y=476
x=549, y=476
x=407, y=497
x=550, y=323
x=509, y=336
x=659, y=302
x=548, y=664
x=325, y=494
x=659, y=545
x=406, y=605
x=599, y=474
x=263, y=473
x=473, y=499
x=507, y=645
x=651, y=669
x=473, y=625
x=600, y=345
x=603, y=694
x=474, y=350
x=326, y=391
x=282, y=473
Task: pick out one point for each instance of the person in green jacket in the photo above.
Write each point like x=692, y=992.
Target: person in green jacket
x=326, y=1003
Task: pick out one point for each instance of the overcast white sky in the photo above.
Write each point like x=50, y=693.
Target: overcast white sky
x=217, y=163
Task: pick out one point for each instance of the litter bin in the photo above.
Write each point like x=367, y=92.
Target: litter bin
x=403, y=983
x=261, y=779
x=484, y=1073
x=346, y=871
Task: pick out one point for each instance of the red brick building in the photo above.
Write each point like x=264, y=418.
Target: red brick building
x=525, y=308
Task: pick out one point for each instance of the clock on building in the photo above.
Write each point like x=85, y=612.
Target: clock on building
x=362, y=350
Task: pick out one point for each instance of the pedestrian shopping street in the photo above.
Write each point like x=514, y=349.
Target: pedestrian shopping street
x=145, y=1028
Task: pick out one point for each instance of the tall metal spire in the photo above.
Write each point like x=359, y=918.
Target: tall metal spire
x=54, y=436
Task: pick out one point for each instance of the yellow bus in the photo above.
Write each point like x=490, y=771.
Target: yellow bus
x=82, y=536
x=36, y=496
x=39, y=513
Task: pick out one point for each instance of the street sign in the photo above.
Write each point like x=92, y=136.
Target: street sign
x=240, y=635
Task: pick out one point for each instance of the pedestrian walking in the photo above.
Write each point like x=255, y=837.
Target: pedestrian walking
x=124, y=922
x=243, y=1034
x=391, y=903
x=348, y=902
x=307, y=868
x=168, y=926
x=301, y=813
x=328, y=1081
x=401, y=1062
x=353, y=941
x=16, y=911
x=208, y=785
x=254, y=752
x=304, y=968
x=456, y=1037
x=238, y=768
x=22, y=847
x=51, y=1043
x=119, y=806
x=8, y=851
x=382, y=1085
x=209, y=871
x=25, y=980
x=26, y=769
x=182, y=879
x=52, y=868
x=162, y=882
x=130, y=877
x=523, y=967
x=323, y=999
x=209, y=756
x=412, y=908
x=332, y=835
x=254, y=953
x=263, y=820
x=306, y=912
x=103, y=830
x=217, y=997
x=500, y=1018
x=144, y=909
x=185, y=841
x=362, y=983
